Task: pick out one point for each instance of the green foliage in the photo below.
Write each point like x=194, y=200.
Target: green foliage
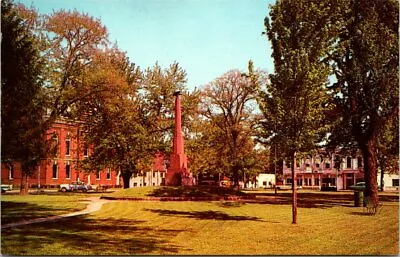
x=295, y=101
x=365, y=61
x=225, y=125
x=22, y=136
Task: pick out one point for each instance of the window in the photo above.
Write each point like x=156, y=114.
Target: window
x=298, y=164
x=264, y=183
x=10, y=171
x=67, y=170
x=154, y=184
x=359, y=162
x=395, y=182
x=54, y=138
x=135, y=184
x=307, y=165
x=144, y=184
x=317, y=165
x=327, y=165
x=288, y=165
x=288, y=181
x=68, y=146
x=154, y=174
x=316, y=181
x=98, y=175
x=348, y=162
x=85, y=150
x=108, y=174
x=55, y=170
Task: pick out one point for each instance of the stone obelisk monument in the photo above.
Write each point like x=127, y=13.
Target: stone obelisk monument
x=178, y=173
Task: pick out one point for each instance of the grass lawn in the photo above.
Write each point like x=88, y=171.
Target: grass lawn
x=327, y=225
x=169, y=191
x=15, y=208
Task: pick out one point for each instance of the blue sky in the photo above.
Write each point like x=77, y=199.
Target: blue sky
x=206, y=37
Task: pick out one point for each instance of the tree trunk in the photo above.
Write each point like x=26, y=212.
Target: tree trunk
x=126, y=176
x=235, y=173
x=382, y=182
x=368, y=149
x=383, y=167
x=294, y=193
x=24, y=184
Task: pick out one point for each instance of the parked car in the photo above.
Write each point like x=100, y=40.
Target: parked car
x=75, y=186
x=5, y=188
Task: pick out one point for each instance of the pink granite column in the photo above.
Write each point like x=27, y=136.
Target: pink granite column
x=178, y=173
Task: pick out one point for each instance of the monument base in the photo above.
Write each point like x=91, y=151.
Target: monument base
x=179, y=178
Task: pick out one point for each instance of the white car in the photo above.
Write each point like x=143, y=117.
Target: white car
x=5, y=188
x=75, y=186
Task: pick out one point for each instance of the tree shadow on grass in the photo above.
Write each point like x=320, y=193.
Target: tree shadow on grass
x=361, y=213
x=203, y=215
x=86, y=236
x=17, y=211
x=306, y=200
x=195, y=191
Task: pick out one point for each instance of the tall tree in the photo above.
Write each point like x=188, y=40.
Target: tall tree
x=295, y=101
x=22, y=123
x=366, y=62
x=73, y=40
x=112, y=127
x=228, y=103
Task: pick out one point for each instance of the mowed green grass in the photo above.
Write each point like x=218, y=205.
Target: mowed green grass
x=170, y=191
x=15, y=208
x=213, y=228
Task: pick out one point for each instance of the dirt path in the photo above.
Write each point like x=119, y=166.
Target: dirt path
x=94, y=204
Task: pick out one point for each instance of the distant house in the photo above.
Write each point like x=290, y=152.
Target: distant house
x=265, y=180
x=154, y=177
x=336, y=170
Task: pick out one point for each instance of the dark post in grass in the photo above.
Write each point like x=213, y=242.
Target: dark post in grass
x=294, y=193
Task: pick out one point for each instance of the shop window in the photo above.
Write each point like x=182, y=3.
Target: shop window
x=395, y=182
x=316, y=181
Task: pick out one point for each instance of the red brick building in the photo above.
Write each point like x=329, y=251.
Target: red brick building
x=61, y=168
